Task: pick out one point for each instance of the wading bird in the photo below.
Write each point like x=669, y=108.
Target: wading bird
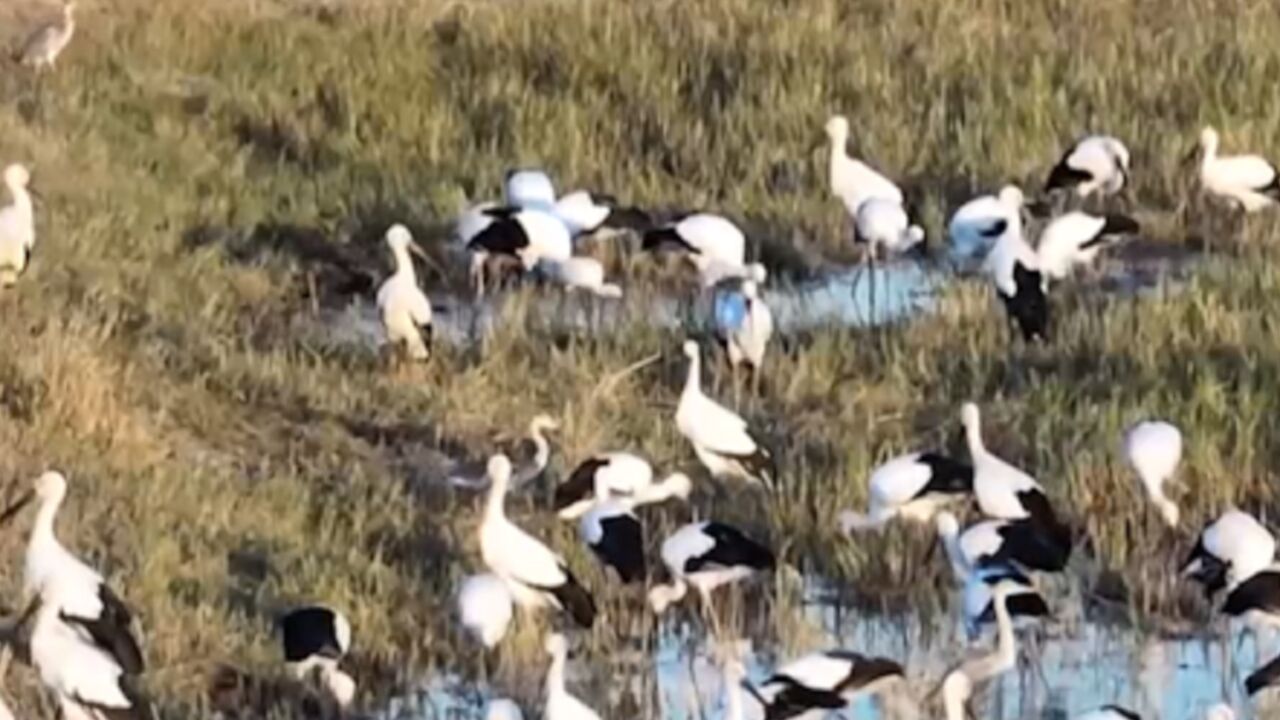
x=616, y=473
x=1153, y=449
x=854, y=181
x=914, y=487
x=315, y=639
x=882, y=223
x=1021, y=543
x=1229, y=549
x=712, y=243
x=43, y=46
x=1004, y=492
x=824, y=681
x=1014, y=270
x=561, y=705
x=707, y=555
x=1075, y=239
x=485, y=607
x=17, y=226
x=720, y=437
x=536, y=576
x=1094, y=164
x=975, y=227
x=1249, y=182
x=958, y=685
x=744, y=324
x=406, y=311
x=613, y=532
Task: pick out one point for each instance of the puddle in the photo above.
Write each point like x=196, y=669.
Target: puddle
x=1082, y=666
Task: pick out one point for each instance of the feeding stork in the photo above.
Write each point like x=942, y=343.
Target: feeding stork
x=707, y=555
x=825, y=681
x=720, y=437
x=315, y=639
x=883, y=223
x=17, y=226
x=914, y=486
x=1075, y=239
x=406, y=311
x=613, y=532
x=618, y=473
x=76, y=592
x=1153, y=449
x=1093, y=164
x=1014, y=270
x=536, y=576
x=1231, y=548
x=530, y=235
x=712, y=243
x=485, y=608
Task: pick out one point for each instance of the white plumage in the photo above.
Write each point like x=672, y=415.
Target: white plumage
x=707, y=555
x=503, y=709
x=582, y=273
x=85, y=679
x=406, y=312
x=914, y=486
x=976, y=226
x=1231, y=548
x=17, y=226
x=822, y=681
x=1014, y=271
x=613, y=474
x=958, y=685
x=883, y=223
x=714, y=245
x=530, y=235
x=536, y=576
x=744, y=322
x=1094, y=164
x=561, y=705
x=1248, y=181
x=1153, y=449
x=612, y=531
x=1000, y=488
x=719, y=436
x=485, y=608
x=852, y=180
x=530, y=189
x=62, y=581
x=1076, y=238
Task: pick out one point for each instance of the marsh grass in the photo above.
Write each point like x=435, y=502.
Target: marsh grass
x=216, y=173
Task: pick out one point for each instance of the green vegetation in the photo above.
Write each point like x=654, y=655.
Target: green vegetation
x=215, y=174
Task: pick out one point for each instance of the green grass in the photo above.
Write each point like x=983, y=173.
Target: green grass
x=225, y=465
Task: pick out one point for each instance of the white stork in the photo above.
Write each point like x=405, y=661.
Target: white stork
x=613, y=532
x=852, y=180
x=720, y=437
x=315, y=639
x=17, y=226
x=825, y=681
x=1153, y=449
x=406, y=311
x=1093, y=164
x=1231, y=548
x=1075, y=239
x=975, y=227
x=707, y=555
x=914, y=486
x=712, y=243
x=485, y=608
x=958, y=685
x=88, y=681
x=1014, y=270
x=536, y=575
x=561, y=704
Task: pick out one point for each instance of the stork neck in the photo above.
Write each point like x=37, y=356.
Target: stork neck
x=693, y=382
x=21, y=200
x=973, y=433
x=1005, y=655
x=555, y=675
x=542, y=449
x=951, y=544
x=404, y=264
x=42, y=534
x=495, y=506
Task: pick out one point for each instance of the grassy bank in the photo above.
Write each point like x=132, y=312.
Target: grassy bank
x=214, y=174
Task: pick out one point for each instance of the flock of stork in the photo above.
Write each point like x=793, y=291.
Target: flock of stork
x=81, y=640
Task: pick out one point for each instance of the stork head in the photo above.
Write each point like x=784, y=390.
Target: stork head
x=49, y=488
x=556, y=645
x=947, y=524
x=499, y=469
x=691, y=349
x=17, y=176
x=401, y=240
x=1209, y=144
x=969, y=416
x=543, y=423
x=340, y=685
x=1011, y=196
x=838, y=128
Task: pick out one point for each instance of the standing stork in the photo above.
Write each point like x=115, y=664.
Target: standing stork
x=1006, y=493
x=536, y=575
x=744, y=324
x=1014, y=270
x=854, y=181
x=17, y=226
x=43, y=46
x=485, y=608
x=315, y=639
x=1093, y=164
x=1249, y=182
x=406, y=312
x=77, y=593
x=720, y=437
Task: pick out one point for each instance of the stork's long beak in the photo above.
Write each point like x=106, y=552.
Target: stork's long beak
x=16, y=508
x=416, y=249
x=1190, y=157
x=34, y=193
